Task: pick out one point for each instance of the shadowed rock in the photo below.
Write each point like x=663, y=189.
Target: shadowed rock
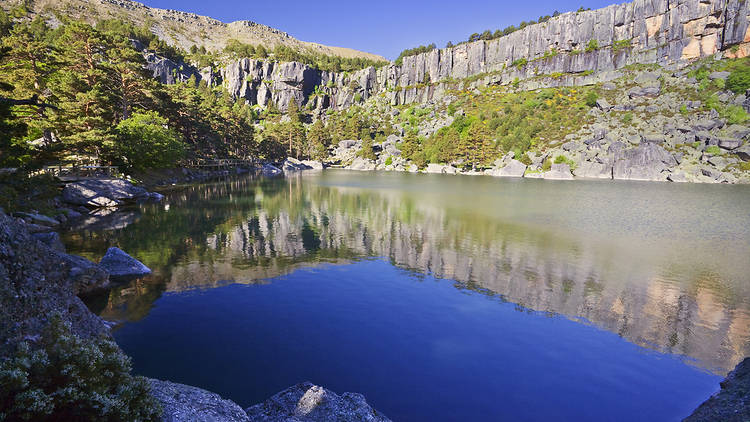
x=85, y=275
x=182, y=403
x=36, y=284
x=732, y=402
x=306, y=402
x=120, y=264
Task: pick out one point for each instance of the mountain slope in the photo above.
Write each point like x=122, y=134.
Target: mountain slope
x=183, y=29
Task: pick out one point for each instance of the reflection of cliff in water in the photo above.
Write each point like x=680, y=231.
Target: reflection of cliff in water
x=249, y=230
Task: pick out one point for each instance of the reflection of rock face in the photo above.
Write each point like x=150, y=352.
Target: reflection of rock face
x=295, y=225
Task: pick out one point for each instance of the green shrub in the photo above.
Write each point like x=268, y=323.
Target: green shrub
x=522, y=157
x=389, y=160
x=520, y=62
x=622, y=44
x=547, y=166
x=145, y=141
x=700, y=73
x=561, y=159
x=713, y=150
x=70, y=379
x=593, y=45
x=627, y=117
x=735, y=115
x=591, y=98
x=739, y=80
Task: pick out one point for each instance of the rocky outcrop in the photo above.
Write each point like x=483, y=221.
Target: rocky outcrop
x=183, y=403
x=36, y=283
x=292, y=164
x=732, y=402
x=270, y=170
x=361, y=164
x=570, y=46
x=103, y=193
x=514, y=168
x=121, y=265
x=86, y=276
x=306, y=402
x=645, y=162
x=559, y=172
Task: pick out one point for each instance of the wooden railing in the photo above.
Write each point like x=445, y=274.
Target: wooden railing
x=221, y=164
x=69, y=172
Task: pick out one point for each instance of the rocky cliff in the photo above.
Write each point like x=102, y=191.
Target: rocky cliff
x=576, y=48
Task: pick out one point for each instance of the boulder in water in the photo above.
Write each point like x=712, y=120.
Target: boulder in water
x=102, y=193
x=292, y=164
x=119, y=264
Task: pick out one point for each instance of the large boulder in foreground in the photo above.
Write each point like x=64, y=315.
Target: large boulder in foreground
x=119, y=264
x=732, y=402
x=182, y=403
x=103, y=193
x=306, y=402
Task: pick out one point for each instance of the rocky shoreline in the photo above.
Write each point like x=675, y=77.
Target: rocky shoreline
x=41, y=281
x=28, y=301
x=644, y=127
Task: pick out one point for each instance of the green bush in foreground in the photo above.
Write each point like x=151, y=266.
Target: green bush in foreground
x=70, y=379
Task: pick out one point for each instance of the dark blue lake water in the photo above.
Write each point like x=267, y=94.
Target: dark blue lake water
x=438, y=298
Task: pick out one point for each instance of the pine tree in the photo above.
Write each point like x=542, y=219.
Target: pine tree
x=86, y=102
x=366, y=151
x=317, y=141
x=128, y=80
x=295, y=130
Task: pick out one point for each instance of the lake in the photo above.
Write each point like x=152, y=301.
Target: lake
x=438, y=297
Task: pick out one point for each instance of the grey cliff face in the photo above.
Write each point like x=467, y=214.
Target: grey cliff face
x=644, y=31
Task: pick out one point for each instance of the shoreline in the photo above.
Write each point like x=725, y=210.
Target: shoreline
x=194, y=399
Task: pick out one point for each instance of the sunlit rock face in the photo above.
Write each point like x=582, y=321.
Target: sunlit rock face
x=675, y=299
x=645, y=31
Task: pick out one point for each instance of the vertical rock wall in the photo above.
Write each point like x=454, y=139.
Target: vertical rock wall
x=667, y=32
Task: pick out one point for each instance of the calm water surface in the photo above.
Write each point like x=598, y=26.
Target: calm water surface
x=439, y=297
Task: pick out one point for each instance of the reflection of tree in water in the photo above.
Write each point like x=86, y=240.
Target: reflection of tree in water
x=250, y=229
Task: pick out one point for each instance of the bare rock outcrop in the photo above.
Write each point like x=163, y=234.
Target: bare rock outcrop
x=306, y=402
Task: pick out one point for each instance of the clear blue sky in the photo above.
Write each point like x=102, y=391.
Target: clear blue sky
x=382, y=27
